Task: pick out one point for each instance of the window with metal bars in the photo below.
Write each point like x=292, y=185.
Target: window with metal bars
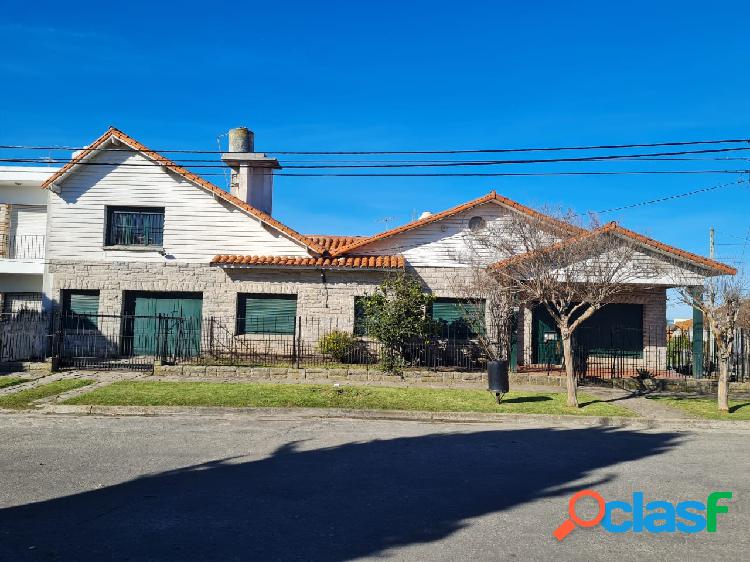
x=135, y=226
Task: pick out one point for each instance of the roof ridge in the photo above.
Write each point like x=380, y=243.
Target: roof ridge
x=113, y=132
x=690, y=256
x=491, y=196
x=613, y=226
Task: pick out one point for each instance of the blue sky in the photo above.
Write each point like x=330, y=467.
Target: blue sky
x=401, y=75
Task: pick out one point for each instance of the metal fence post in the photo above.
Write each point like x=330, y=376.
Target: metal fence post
x=299, y=342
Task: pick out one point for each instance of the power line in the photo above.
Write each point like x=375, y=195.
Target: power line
x=430, y=174
x=670, y=197
x=200, y=163
x=508, y=174
x=382, y=152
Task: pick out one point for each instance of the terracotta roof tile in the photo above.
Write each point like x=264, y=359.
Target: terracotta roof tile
x=179, y=170
x=330, y=242
x=645, y=240
x=347, y=262
x=492, y=196
x=689, y=256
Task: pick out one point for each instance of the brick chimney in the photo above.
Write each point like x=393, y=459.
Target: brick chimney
x=252, y=172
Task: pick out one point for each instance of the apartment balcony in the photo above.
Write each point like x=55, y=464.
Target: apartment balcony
x=22, y=253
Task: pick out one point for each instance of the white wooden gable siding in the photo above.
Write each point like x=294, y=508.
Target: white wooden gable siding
x=197, y=225
x=647, y=267
x=443, y=243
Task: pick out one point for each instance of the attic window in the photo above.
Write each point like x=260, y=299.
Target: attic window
x=476, y=224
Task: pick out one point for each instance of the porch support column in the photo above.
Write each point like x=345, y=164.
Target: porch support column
x=697, y=343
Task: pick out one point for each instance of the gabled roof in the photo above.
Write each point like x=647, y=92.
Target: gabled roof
x=346, y=262
x=667, y=249
x=113, y=133
x=490, y=197
x=618, y=230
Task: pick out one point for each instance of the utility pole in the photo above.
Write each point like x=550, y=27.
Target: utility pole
x=711, y=249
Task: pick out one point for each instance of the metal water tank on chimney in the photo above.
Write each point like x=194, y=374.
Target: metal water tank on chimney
x=241, y=139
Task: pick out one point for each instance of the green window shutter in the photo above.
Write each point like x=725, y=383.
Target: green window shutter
x=81, y=309
x=266, y=314
x=458, y=318
x=614, y=329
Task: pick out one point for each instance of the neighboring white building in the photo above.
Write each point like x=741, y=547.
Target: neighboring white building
x=23, y=231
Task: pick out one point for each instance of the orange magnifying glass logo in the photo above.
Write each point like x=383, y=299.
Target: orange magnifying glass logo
x=569, y=524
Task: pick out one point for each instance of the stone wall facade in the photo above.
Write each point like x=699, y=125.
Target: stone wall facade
x=327, y=295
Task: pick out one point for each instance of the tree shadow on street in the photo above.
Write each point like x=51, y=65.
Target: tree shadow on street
x=336, y=503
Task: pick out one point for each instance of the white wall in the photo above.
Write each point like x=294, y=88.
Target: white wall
x=441, y=243
x=197, y=225
x=17, y=283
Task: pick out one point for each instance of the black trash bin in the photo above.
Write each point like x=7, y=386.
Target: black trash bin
x=497, y=377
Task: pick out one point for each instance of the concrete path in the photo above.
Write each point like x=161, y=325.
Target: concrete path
x=638, y=403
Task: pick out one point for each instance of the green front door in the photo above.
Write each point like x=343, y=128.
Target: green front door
x=547, y=348
x=163, y=324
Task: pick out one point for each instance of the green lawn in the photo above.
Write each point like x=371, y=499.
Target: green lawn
x=706, y=407
x=24, y=398
x=139, y=393
x=10, y=381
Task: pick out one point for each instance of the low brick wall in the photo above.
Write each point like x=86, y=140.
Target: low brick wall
x=25, y=367
x=411, y=378
x=695, y=386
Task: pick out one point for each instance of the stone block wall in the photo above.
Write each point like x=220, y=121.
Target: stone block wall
x=5, y=213
x=327, y=296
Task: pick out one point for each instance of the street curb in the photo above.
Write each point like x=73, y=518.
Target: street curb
x=398, y=415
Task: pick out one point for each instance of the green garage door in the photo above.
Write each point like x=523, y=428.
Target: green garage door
x=162, y=323
x=615, y=329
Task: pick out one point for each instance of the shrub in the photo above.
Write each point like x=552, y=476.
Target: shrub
x=397, y=316
x=338, y=345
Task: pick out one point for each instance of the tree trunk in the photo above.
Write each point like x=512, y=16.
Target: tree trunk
x=570, y=374
x=723, y=390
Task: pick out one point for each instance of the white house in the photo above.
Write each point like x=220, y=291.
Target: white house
x=132, y=233
x=23, y=226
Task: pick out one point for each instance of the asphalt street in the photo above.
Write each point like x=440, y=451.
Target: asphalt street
x=248, y=488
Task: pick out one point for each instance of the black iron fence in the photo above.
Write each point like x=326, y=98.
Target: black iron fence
x=619, y=352
x=310, y=342
x=137, y=342
x=24, y=336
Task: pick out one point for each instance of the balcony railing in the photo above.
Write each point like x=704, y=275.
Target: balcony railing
x=22, y=246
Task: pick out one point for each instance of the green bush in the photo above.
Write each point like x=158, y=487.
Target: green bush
x=338, y=345
x=397, y=316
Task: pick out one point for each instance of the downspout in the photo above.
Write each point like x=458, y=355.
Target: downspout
x=325, y=286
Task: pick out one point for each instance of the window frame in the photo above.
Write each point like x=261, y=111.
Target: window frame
x=241, y=317
x=110, y=211
x=71, y=320
x=471, y=332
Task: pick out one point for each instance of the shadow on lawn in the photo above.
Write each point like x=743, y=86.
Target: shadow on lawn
x=337, y=503
x=524, y=399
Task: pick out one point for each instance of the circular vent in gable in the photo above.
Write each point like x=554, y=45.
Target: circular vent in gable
x=477, y=223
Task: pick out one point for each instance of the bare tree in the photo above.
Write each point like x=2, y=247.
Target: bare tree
x=721, y=299
x=743, y=321
x=488, y=307
x=570, y=270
